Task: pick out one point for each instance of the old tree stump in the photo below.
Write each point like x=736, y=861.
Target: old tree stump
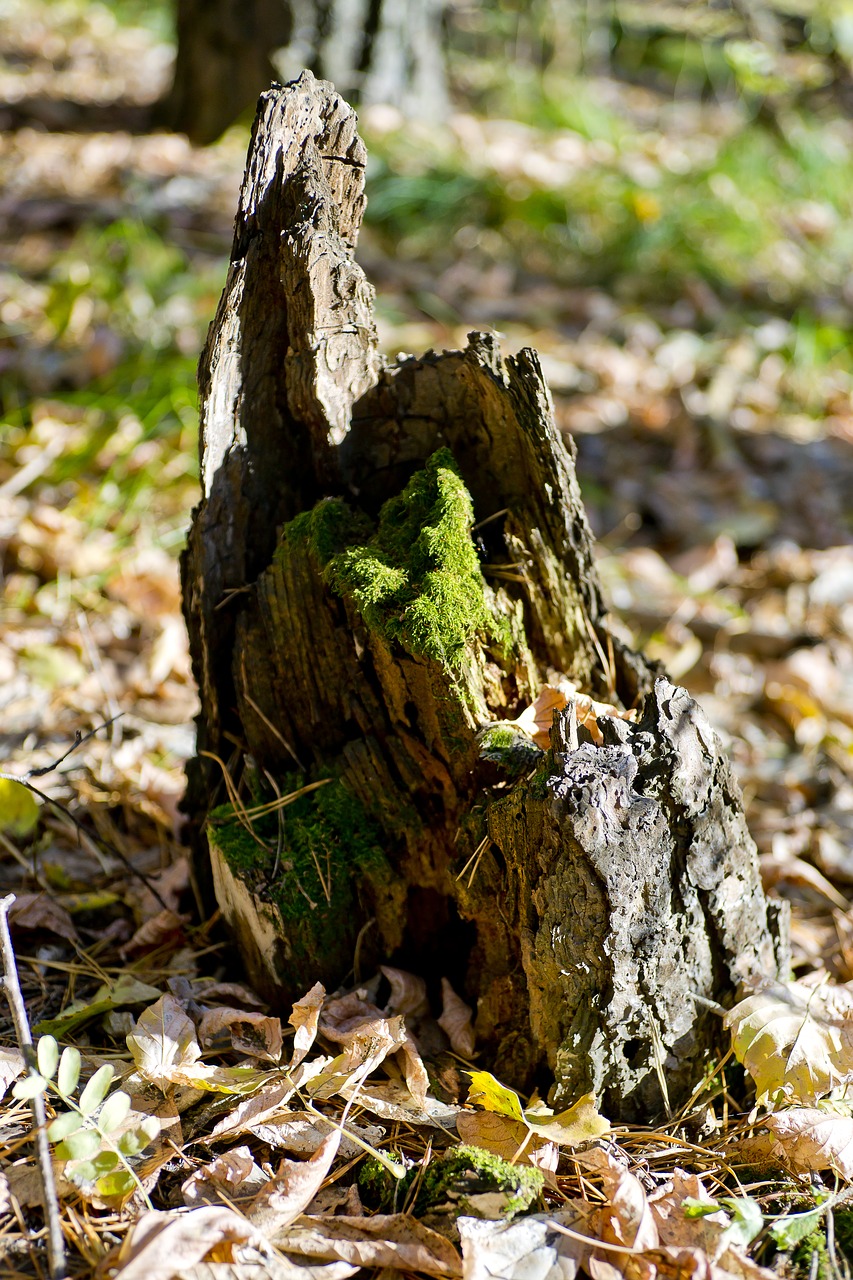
x=388, y=563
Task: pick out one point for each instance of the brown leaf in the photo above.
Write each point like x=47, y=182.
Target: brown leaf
x=234, y=1173
x=456, y=1022
x=165, y=927
x=529, y=1248
x=37, y=911
x=263, y=1105
x=160, y=1245
x=384, y=1240
x=507, y=1138
x=809, y=1139
x=304, y=1018
x=408, y=992
x=292, y=1189
x=255, y=1034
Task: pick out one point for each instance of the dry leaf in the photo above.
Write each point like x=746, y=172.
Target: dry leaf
x=408, y=992
x=304, y=1018
x=582, y=1122
x=529, y=1248
x=417, y=1080
x=165, y=927
x=266, y=1103
x=12, y=1065
x=166, y=1052
x=254, y=1034
x=809, y=1139
x=37, y=911
x=456, y=1021
x=794, y=1037
x=160, y=1245
x=294, y=1186
x=391, y=1101
x=507, y=1138
x=234, y=1173
x=303, y=1132
x=384, y=1240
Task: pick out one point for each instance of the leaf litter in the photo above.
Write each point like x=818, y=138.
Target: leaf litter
x=726, y=552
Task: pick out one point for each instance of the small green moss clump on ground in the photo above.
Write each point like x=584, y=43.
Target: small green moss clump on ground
x=326, y=844
x=464, y=1174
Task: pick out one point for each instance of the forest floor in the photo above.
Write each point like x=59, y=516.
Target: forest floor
x=685, y=275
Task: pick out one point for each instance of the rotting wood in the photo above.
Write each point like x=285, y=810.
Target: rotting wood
x=387, y=565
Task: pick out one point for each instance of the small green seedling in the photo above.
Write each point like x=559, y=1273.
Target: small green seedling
x=87, y=1134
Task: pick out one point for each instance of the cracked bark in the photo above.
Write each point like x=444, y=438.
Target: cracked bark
x=583, y=907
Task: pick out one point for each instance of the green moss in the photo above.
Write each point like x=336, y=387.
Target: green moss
x=802, y=1256
x=327, y=530
x=464, y=1173
x=379, y=1190
x=325, y=844
x=417, y=580
x=509, y=747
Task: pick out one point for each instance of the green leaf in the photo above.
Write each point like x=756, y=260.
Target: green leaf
x=30, y=1087
x=81, y=1173
x=96, y=1090
x=105, y=1162
x=793, y=1228
x=130, y=1144
x=47, y=1052
x=69, y=1071
x=114, y=1111
x=489, y=1093
x=694, y=1208
x=116, y=1184
x=80, y=1145
x=64, y=1125
x=19, y=812
x=747, y=1219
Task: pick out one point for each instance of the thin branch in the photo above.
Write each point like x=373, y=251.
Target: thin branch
x=12, y=987
x=79, y=739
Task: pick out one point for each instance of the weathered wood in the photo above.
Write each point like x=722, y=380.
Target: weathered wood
x=387, y=565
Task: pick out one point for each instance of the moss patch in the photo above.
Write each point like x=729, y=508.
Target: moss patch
x=510, y=748
x=416, y=579
x=325, y=844
x=464, y=1173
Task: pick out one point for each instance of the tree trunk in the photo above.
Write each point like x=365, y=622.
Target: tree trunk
x=388, y=564
x=228, y=51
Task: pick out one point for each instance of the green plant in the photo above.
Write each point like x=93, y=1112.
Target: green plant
x=89, y=1133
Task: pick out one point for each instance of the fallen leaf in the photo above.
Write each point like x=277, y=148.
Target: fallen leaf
x=408, y=992
x=391, y=1101
x=160, y=1245
x=456, y=1021
x=233, y=1174
x=489, y=1093
x=304, y=1019
x=395, y=1240
x=510, y=1139
x=164, y=1048
x=255, y=1034
x=292, y=1189
x=304, y=1131
x=38, y=911
x=167, y=927
x=12, y=1065
x=581, y=1122
x=263, y=1105
x=529, y=1248
x=795, y=1038
x=808, y=1139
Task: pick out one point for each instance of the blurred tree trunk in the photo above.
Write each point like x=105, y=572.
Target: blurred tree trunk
x=388, y=564
x=376, y=51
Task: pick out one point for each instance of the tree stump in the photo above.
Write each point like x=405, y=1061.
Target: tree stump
x=389, y=564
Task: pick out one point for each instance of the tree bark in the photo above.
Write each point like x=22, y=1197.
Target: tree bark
x=228, y=51
x=388, y=564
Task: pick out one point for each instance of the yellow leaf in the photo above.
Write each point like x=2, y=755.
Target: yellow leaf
x=489, y=1093
x=19, y=813
x=795, y=1038
x=582, y=1122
